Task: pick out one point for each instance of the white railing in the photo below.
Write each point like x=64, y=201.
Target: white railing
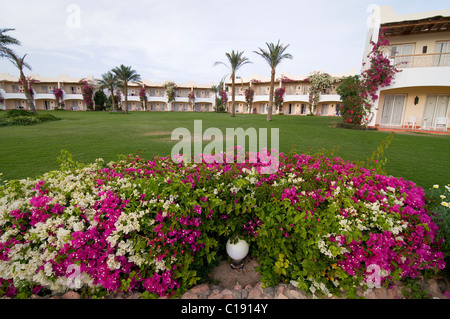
x=421, y=60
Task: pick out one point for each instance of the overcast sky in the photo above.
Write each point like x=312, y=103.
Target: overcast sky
x=180, y=40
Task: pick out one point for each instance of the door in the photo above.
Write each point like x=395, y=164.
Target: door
x=435, y=106
x=392, y=113
x=290, y=108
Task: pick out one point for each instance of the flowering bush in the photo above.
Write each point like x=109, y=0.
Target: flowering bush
x=88, y=93
x=249, y=95
x=438, y=199
x=320, y=82
x=170, y=90
x=278, y=98
x=359, y=92
x=143, y=98
x=59, y=96
x=224, y=97
x=153, y=225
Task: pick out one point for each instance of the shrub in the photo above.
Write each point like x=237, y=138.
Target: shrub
x=152, y=226
x=23, y=117
x=47, y=117
x=438, y=200
x=16, y=112
x=18, y=120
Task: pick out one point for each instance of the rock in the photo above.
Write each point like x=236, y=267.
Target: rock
x=269, y=292
x=295, y=294
x=280, y=296
x=33, y=296
x=134, y=295
x=237, y=287
x=189, y=295
x=227, y=292
x=200, y=289
x=392, y=292
x=433, y=288
x=381, y=293
x=215, y=295
x=70, y=295
x=255, y=293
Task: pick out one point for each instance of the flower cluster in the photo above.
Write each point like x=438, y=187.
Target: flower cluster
x=278, y=97
x=153, y=226
x=88, y=93
x=249, y=95
x=320, y=82
x=170, y=90
x=59, y=96
x=358, y=92
x=223, y=96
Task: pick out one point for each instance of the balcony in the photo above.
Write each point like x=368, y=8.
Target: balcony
x=421, y=60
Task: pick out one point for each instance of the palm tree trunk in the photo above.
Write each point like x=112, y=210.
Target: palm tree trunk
x=233, y=108
x=125, y=87
x=113, y=99
x=272, y=84
x=26, y=90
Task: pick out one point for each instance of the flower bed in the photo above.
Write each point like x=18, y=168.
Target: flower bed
x=322, y=224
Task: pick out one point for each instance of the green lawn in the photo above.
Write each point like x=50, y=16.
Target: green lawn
x=32, y=150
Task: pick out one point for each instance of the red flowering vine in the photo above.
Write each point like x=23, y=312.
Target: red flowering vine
x=88, y=92
x=249, y=95
x=359, y=92
x=59, y=96
x=278, y=96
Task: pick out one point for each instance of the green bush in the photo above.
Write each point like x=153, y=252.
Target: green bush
x=23, y=117
x=438, y=200
x=15, y=112
x=47, y=117
x=18, y=120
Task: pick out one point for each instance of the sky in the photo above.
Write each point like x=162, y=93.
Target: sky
x=176, y=40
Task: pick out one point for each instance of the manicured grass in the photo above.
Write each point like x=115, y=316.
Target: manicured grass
x=27, y=151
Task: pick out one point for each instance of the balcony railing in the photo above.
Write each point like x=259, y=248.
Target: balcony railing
x=421, y=60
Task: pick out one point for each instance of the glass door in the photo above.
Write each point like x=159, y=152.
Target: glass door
x=435, y=106
x=392, y=113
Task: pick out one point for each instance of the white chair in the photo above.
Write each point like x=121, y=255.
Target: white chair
x=412, y=121
x=441, y=121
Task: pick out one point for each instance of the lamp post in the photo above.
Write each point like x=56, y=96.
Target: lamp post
x=237, y=253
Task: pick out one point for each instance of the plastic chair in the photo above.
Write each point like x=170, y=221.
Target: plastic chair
x=441, y=121
x=412, y=121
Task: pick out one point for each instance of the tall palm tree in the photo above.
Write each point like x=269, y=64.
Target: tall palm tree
x=20, y=63
x=236, y=60
x=273, y=56
x=124, y=75
x=109, y=81
x=6, y=40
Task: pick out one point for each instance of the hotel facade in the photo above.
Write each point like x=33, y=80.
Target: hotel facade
x=296, y=97
x=419, y=96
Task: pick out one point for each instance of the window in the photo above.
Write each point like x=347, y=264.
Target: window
x=401, y=53
x=443, y=59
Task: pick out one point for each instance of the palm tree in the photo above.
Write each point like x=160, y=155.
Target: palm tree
x=20, y=63
x=273, y=56
x=124, y=75
x=109, y=81
x=236, y=60
x=6, y=40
